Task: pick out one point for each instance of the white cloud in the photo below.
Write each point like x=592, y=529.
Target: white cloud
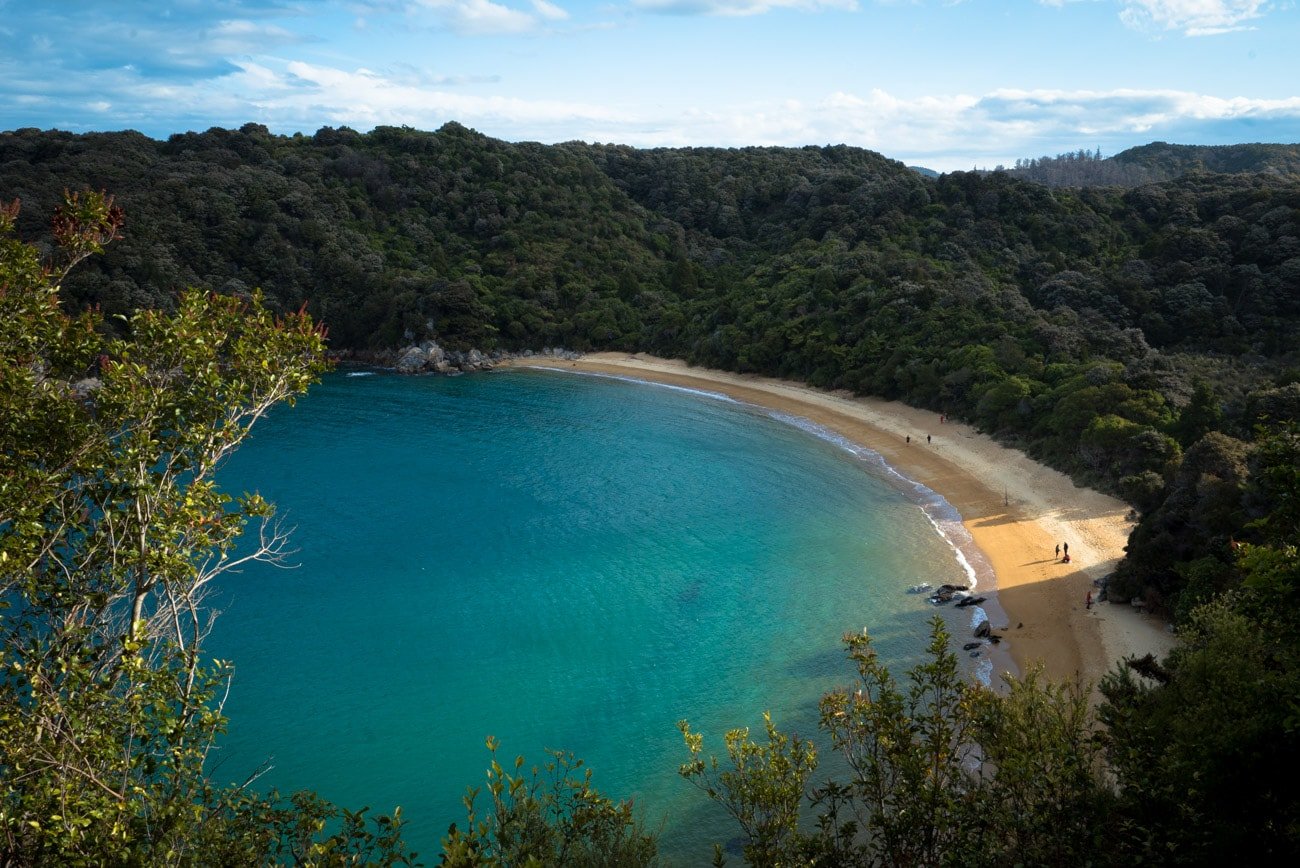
x=549, y=11
x=944, y=131
x=486, y=18
x=739, y=8
x=362, y=97
x=952, y=130
x=239, y=36
x=1130, y=109
x=1192, y=17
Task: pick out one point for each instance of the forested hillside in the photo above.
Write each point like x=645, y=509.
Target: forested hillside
x=1174, y=160
x=1106, y=331
x=1158, y=161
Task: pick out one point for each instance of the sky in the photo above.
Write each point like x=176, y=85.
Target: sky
x=945, y=84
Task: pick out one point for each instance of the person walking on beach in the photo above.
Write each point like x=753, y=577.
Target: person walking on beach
x=927, y=438
x=1067, y=549
x=1058, y=551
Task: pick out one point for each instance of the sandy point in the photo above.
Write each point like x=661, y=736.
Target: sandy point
x=1017, y=511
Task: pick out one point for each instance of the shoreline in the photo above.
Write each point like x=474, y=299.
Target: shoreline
x=1015, y=509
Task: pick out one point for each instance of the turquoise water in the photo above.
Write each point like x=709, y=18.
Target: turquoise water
x=560, y=561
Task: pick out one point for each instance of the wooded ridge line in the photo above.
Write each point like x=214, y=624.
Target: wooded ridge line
x=1133, y=337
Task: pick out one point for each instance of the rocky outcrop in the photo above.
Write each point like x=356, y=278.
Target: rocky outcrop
x=428, y=357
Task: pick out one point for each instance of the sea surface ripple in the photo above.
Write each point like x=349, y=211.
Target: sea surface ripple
x=561, y=562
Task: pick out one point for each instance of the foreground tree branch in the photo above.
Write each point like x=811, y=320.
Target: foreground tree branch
x=111, y=531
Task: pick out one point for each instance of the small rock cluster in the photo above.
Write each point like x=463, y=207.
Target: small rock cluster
x=964, y=599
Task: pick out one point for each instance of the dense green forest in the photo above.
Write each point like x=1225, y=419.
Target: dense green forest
x=1142, y=339
x=1104, y=330
x=1158, y=161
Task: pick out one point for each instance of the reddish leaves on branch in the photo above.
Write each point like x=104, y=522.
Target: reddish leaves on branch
x=84, y=223
x=8, y=214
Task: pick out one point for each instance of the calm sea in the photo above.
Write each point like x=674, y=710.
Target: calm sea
x=560, y=561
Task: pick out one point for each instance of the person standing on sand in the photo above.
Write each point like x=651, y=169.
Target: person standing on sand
x=927, y=438
x=1058, y=550
x=1067, y=549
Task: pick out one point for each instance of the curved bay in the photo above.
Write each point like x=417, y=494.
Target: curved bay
x=561, y=562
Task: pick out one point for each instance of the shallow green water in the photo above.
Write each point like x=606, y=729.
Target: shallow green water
x=560, y=561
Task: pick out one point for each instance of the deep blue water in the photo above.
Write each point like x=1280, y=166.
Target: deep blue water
x=560, y=561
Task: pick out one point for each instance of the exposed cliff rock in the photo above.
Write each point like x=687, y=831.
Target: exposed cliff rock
x=428, y=357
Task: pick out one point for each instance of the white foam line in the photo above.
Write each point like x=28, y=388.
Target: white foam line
x=941, y=514
x=943, y=517
x=717, y=396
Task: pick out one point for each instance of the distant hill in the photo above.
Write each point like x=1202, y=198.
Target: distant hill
x=1158, y=161
x=922, y=170
x=1175, y=160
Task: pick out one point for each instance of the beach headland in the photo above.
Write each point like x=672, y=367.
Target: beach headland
x=1017, y=511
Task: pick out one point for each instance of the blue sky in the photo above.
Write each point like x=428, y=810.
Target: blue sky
x=948, y=85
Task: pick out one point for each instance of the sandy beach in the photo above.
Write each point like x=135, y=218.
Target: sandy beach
x=1016, y=510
